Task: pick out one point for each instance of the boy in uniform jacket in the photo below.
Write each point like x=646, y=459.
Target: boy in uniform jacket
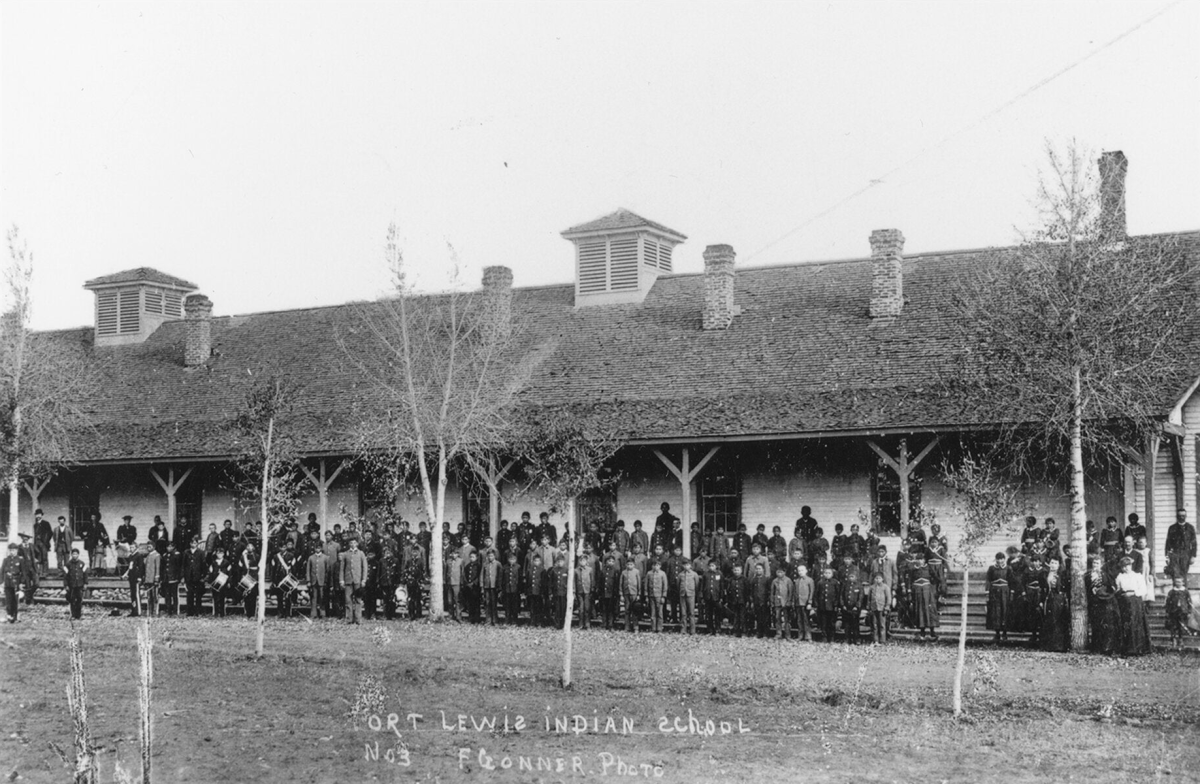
x=851, y=599
x=583, y=589
x=452, y=580
x=195, y=570
x=782, y=603
x=735, y=600
x=656, y=594
x=558, y=577
x=472, y=585
x=825, y=597
x=674, y=569
x=689, y=589
x=489, y=584
x=510, y=585
x=631, y=592
x=714, y=594
x=879, y=604
x=535, y=580
x=318, y=577
x=760, y=600
x=803, y=592
x=16, y=572
x=172, y=566
x=609, y=590
x=76, y=581
x=151, y=580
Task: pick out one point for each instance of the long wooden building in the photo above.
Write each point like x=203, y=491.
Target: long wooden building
x=742, y=394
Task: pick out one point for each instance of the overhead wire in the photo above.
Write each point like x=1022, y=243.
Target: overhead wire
x=875, y=181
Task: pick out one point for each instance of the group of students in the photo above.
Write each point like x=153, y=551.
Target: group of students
x=1029, y=586
x=760, y=585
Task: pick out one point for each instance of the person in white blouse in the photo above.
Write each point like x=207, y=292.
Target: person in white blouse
x=1135, y=626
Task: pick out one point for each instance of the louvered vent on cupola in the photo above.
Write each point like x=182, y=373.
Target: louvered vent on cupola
x=618, y=257
x=131, y=305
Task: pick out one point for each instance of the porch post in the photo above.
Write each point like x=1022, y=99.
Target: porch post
x=170, y=486
x=322, y=481
x=685, y=474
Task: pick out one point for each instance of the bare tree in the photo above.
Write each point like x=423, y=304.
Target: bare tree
x=45, y=382
x=267, y=467
x=1074, y=334
x=564, y=453
x=988, y=503
x=446, y=379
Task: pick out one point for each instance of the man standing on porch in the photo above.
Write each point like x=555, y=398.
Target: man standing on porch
x=1180, y=547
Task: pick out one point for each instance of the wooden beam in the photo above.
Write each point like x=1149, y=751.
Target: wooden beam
x=905, y=502
x=1177, y=469
x=923, y=453
x=170, y=486
x=670, y=466
x=703, y=462
x=1134, y=456
x=884, y=456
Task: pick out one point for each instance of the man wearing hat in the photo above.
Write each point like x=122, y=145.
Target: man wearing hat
x=75, y=581
x=126, y=531
x=64, y=537
x=126, y=536
x=354, y=574
x=28, y=553
x=16, y=572
x=43, y=536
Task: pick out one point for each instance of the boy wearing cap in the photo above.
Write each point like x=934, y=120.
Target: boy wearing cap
x=510, y=582
x=735, y=599
x=75, y=582
x=16, y=571
x=631, y=591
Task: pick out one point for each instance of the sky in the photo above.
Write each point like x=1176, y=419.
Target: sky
x=260, y=150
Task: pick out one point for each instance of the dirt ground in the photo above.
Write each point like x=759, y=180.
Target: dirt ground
x=449, y=703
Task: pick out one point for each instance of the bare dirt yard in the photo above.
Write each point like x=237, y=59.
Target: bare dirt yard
x=401, y=701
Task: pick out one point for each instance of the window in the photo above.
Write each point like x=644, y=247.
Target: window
x=720, y=500
x=885, y=492
x=189, y=503
x=376, y=501
x=85, y=502
x=596, y=510
x=476, y=512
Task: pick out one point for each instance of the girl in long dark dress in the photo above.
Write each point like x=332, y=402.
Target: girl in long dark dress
x=1034, y=596
x=924, y=598
x=1135, y=626
x=998, y=604
x=1056, y=633
x=1104, y=613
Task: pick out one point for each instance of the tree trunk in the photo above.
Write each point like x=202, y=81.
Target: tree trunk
x=14, y=504
x=437, y=566
x=962, y=646
x=266, y=537
x=566, y=676
x=1079, y=616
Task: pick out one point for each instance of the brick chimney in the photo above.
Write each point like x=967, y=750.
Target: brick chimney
x=197, y=349
x=1113, y=166
x=887, y=274
x=497, y=301
x=719, y=309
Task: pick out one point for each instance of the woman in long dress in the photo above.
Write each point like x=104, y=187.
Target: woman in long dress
x=998, y=602
x=1147, y=568
x=1056, y=618
x=1104, y=611
x=1135, y=626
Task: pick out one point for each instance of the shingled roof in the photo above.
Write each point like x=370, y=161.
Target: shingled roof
x=620, y=220
x=141, y=275
x=803, y=357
